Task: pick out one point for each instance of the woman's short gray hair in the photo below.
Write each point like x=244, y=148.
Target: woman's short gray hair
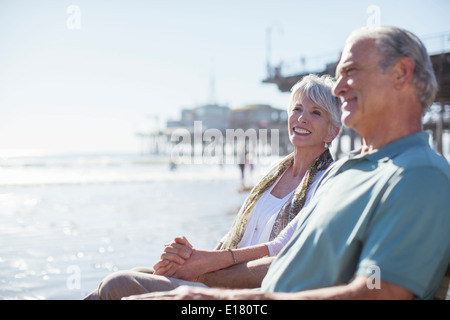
x=396, y=43
x=320, y=91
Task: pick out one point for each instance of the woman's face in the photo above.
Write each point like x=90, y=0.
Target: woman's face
x=309, y=124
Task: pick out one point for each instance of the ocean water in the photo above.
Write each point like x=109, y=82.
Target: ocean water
x=67, y=222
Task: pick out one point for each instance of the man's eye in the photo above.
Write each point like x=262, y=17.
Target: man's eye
x=349, y=71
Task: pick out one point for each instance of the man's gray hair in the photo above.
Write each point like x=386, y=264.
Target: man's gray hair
x=396, y=43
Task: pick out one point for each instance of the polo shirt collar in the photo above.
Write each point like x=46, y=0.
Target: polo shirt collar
x=392, y=149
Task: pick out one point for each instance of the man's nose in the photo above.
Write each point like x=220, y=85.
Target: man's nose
x=339, y=87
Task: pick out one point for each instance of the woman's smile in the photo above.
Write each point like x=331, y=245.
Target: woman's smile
x=301, y=131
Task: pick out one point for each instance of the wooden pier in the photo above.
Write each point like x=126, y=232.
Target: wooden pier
x=260, y=117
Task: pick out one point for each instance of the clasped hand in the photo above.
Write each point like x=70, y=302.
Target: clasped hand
x=180, y=260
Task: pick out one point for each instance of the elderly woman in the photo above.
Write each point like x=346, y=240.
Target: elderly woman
x=272, y=207
x=314, y=121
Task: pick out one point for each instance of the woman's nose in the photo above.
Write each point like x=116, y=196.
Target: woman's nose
x=302, y=117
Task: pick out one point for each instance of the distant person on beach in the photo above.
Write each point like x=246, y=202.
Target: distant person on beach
x=377, y=224
x=244, y=160
x=241, y=158
x=314, y=121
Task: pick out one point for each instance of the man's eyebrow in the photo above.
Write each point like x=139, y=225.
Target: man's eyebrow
x=344, y=66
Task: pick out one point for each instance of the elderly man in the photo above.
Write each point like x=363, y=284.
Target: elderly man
x=377, y=225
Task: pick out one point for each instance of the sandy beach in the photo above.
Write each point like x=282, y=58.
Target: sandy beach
x=66, y=223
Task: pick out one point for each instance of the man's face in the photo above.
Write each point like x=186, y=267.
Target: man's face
x=363, y=90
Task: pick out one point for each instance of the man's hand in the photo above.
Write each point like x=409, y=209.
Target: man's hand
x=356, y=290
x=199, y=293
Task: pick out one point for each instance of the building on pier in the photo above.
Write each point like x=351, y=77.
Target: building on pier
x=261, y=127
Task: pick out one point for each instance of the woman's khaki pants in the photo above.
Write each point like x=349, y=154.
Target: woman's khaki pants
x=137, y=281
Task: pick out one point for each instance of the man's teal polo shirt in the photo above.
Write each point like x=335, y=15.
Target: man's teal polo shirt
x=384, y=214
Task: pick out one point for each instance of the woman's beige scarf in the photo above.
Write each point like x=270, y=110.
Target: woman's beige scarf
x=289, y=209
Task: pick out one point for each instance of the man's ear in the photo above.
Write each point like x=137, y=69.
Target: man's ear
x=403, y=72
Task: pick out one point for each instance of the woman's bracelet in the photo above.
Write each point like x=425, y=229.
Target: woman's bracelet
x=234, y=256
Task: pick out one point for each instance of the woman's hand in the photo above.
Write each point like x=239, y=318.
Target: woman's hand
x=180, y=260
x=178, y=250
x=172, y=259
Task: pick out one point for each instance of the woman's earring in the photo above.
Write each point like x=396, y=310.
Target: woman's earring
x=326, y=145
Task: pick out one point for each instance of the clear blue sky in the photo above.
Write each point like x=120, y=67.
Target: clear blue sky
x=65, y=89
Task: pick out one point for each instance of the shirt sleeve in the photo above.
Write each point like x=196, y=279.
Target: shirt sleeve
x=407, y=238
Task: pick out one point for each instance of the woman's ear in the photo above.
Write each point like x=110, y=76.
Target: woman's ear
x=333, y=134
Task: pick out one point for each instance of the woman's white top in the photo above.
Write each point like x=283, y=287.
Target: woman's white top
x=285, y=235
x=262, y=219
